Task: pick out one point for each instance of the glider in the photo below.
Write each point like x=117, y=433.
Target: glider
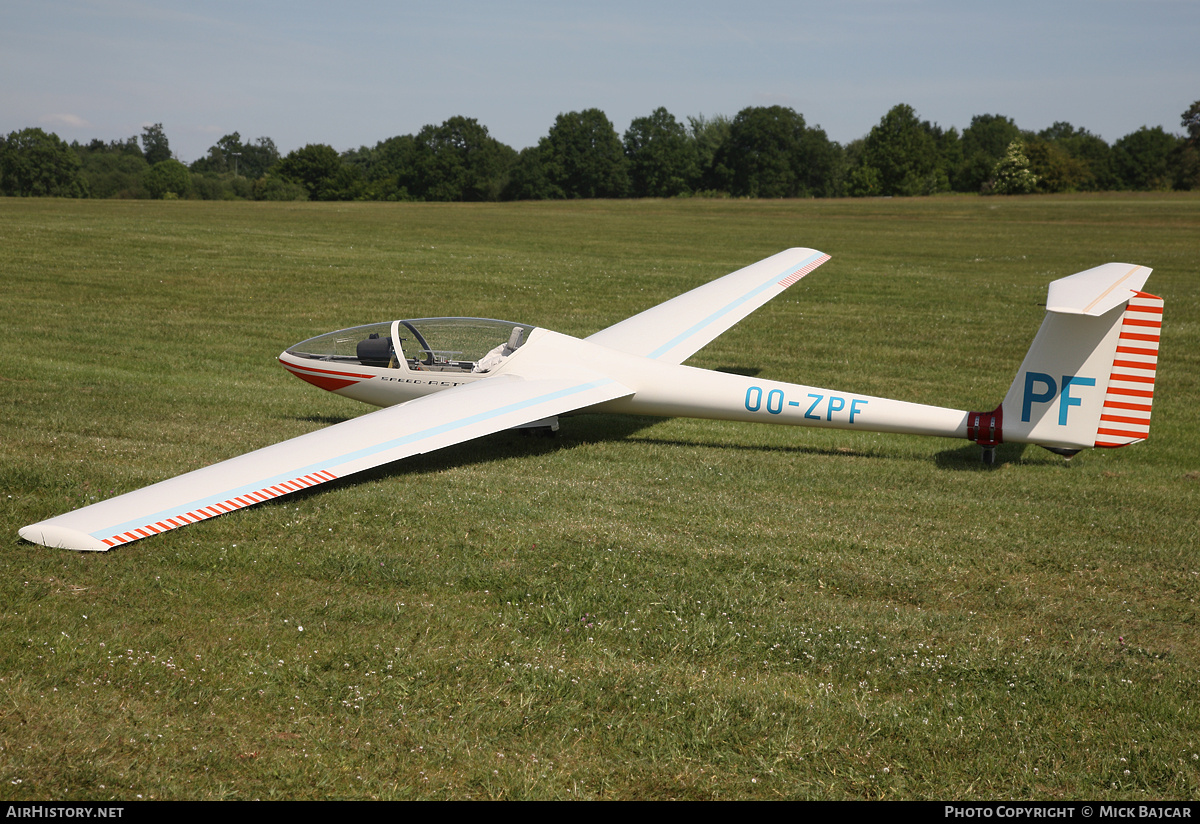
x=1087, y=381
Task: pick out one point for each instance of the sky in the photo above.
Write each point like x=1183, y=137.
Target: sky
x=353, y=73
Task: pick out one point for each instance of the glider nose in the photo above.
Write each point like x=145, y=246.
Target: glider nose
x=321, y=376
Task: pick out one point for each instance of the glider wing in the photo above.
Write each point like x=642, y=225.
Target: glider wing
x=675, y=330
x=422, y=425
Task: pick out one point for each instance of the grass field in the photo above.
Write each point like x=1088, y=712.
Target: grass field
x=639, y=608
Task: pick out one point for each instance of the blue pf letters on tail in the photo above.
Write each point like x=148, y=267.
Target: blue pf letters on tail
x=1031, y=396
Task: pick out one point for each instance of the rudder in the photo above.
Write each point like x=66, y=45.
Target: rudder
x=1125, y=418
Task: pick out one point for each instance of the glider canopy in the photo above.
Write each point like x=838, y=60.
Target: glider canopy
x=423, y=344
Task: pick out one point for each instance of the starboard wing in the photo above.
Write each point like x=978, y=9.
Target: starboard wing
x=422, y=425
x=675, y=330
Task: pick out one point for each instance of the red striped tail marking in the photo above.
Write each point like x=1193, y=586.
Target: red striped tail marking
x=1125, y=418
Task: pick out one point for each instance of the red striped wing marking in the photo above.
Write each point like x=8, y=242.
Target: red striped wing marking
x=802, y=271
x=237, y=502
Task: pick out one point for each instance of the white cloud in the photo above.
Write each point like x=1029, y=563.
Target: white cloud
x=74, y=121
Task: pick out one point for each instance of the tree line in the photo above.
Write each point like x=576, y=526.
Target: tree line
x=762, y=152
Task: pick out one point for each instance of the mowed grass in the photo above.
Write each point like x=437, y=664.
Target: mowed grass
x=638, y=608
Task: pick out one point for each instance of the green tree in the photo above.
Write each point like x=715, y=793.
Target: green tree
x=1190, y=120
x=459, y=161
x=984, y=142
x=662, y=159
x=1143, y=158
x=1187, y=160
x=989, y=134
x=257, y=158
x=113, y=169
x=230, y=155
x=1095, y=171
x=154, y=144
x=219, y=160
x=864, y=181
x=128, y=146
x=212, y=186
x=904, y=154
x=273, y=187
x=772, y=153
x=1011, y=175
x=320, y=170
x=387, y=169
x=708, y=134
x=1060, y=131
x=582, y=157
x=36, y=163
x=1056, y=170
x=168, y=179
x=113, y=173
x=527, y=180
x=393, y=168
x=950, y=151
x=759, y=158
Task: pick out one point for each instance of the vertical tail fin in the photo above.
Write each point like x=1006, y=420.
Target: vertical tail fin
x=1088, y=378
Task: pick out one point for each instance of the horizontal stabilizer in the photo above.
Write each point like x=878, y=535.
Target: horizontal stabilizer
x=1097, y=290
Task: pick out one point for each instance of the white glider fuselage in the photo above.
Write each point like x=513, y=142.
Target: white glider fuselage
x=658, y=389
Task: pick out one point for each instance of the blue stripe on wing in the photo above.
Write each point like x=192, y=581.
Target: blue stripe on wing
x=331, y=464
x=729, y=307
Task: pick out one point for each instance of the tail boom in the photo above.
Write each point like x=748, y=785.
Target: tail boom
x=683, y=391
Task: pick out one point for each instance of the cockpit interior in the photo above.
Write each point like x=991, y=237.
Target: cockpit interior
x=463, y=345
